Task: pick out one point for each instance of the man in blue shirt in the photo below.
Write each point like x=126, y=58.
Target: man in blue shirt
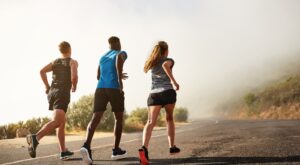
x=109, y=89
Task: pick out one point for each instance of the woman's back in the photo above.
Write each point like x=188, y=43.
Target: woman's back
x=160, y=80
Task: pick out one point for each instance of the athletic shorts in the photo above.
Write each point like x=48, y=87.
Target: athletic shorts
x=105, y=95
x=162, y=98
x=59, y=98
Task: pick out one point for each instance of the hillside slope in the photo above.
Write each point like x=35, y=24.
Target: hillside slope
x=279, y=100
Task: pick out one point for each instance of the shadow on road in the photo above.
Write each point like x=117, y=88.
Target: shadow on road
x=224, y=160
x=74, y=159
x=135, y=159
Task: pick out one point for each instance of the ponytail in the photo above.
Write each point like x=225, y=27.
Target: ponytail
x=157, y=53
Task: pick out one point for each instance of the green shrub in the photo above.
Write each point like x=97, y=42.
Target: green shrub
x=10, y=130
x=180, y=114
x=250, y=99
x=80, y=113
x=133, y=124
x=35, y=124
x=3, y=132
x=107, y=122
x=139, y=115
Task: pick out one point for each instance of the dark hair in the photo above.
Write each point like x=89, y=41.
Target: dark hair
x=64, y=47
x=114, y=43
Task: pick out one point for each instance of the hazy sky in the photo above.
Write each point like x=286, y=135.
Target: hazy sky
x=219, y=47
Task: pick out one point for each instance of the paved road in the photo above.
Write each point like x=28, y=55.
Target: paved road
x=202, y=142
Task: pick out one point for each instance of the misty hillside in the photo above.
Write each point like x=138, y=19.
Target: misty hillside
x=277, y=100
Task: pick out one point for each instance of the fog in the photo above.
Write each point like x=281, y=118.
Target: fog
x=221, y=48
x=235, y=47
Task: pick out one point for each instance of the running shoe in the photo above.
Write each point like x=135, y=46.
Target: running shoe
x=143, y=153
x=118, y=153
x=32, y=145
x=174, y=150
x=86, y=153
x=66, y=155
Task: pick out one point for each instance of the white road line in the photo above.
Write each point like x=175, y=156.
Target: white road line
x=97, y=147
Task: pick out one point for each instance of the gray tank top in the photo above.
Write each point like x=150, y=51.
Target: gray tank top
x=160, y=80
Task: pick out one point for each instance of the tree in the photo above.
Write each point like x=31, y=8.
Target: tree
x=80, y=113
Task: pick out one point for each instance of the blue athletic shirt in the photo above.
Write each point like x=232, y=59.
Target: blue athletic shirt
x=108, y=70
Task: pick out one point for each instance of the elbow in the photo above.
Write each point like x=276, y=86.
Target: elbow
x=74, y=79
x=42, y=72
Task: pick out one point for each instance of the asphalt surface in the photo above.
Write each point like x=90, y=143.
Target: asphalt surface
x=201, y=142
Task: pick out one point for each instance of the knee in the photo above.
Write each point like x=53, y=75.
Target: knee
x=169, y=118
x=151, y=123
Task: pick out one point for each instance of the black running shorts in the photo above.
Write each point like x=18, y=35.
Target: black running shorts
x=162, y=98
x=105, y=95
x=59, y=98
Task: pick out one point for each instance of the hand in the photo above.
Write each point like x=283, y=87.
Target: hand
x=47, y=90
x=124, y=76
x=176, y=85
x=73, y=89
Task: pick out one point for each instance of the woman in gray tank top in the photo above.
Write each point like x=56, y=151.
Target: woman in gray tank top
x=162, y=95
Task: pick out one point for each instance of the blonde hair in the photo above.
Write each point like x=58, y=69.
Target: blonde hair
x=157, y=54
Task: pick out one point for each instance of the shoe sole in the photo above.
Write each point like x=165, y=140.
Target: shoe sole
x=143, y=159
x=174, y=153
x=65, y=158
x=85, y=156
x=118, y=157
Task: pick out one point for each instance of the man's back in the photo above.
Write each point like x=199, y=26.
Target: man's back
x=109, y=75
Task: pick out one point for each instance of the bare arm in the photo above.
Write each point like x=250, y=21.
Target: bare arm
x=167, y=68
x=121, y=75
x=74, y=74
x=98, y=73
x=43, y=71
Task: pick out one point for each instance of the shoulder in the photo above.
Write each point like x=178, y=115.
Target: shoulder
x=123, y=55
x=73, y=62
x=55, y=61
x=169, y=62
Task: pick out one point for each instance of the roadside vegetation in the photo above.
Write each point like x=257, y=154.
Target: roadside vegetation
x=79, y=115
x=279, y=100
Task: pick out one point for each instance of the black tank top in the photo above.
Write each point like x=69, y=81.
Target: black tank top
x=61, y=73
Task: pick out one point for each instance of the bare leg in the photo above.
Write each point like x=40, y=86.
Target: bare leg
x=152, y=117
x=170, y=123
x=61, y=136
x=58, y=119
x=92, y=127
x=118, y=127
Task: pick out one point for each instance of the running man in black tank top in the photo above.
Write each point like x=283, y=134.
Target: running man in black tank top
x=64, y=79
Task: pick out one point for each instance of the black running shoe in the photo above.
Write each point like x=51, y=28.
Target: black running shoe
x=66, y=155
x=118, y=153
x=174, y=150
x=32, y=145
x=143, y=153
x=86, y=153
